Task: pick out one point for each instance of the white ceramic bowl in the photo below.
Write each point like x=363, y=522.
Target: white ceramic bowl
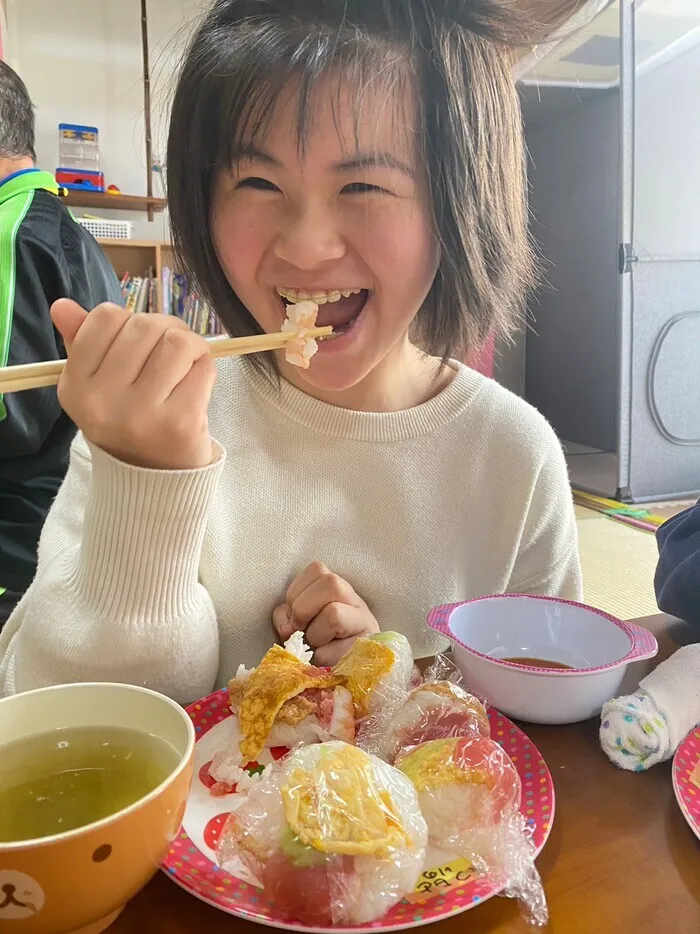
x=597, y=646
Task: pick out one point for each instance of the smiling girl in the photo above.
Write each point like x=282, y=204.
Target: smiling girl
x=368, y=155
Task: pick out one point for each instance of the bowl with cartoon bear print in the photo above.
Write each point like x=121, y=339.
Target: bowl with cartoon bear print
x=93, y=786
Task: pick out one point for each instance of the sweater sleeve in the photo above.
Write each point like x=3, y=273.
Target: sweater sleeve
x=548, y=559
x=677, y=580
x=117, y=596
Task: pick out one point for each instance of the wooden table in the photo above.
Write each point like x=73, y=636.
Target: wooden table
x=620, y=860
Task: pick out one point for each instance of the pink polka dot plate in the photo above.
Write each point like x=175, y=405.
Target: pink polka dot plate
x=449, y=887
x=686, y=779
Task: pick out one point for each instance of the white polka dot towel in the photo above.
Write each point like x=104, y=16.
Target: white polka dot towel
x=645, y=728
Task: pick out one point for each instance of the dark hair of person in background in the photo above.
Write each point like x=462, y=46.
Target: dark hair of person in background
x=16, y=116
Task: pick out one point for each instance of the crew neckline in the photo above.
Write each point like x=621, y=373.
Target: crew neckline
x=336, y=422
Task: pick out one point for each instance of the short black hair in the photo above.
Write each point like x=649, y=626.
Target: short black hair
x=457, y=54
x=16, y=116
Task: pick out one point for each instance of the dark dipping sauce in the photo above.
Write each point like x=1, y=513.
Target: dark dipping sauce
x=536, y=662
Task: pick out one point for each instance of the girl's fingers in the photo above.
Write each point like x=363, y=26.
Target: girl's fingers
x=93, y=339
x=131, y=350
x=282, y=622
x=327, y=590
x=174, y=354
x=67, y=317
x=338, y=622
x=310, y=574
x=329, y=655
x=328, y=610
x=192, y=394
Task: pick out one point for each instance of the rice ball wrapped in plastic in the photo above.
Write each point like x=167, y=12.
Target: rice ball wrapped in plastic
x=333, y=835
x=283, y=702
x=469, y=793
x=435, y=710
x=466, y=786
x=378, y=671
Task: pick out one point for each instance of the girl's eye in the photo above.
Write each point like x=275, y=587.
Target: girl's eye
x=259, y=184
x=362, y=188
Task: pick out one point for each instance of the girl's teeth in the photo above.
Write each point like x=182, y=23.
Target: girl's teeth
x=320, y=298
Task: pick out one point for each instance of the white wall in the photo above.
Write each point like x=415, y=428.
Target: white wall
x=81, y=61
x=667, y=158
x=3, y=27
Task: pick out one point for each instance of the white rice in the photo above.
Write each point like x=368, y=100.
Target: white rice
x=296, y=646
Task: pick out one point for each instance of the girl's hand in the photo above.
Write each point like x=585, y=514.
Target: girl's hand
x=137, y=386
x=327, y=609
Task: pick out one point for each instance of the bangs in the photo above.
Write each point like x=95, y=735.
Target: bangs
x=272, y=64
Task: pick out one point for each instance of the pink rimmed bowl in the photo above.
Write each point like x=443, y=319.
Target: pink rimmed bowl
x=596, y=647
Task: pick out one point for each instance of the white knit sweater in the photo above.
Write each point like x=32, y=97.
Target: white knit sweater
x=169, y=579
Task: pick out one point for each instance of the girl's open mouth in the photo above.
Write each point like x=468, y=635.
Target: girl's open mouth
x=339, y=309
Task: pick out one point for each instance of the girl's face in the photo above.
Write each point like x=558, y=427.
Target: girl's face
x=348, y=213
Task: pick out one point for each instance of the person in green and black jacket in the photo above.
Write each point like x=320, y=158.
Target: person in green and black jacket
x=44, y=255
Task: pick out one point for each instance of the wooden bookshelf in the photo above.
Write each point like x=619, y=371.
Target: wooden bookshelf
x=138, y=256
x=102, y=200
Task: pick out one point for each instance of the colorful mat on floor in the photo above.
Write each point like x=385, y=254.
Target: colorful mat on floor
x=634, y=516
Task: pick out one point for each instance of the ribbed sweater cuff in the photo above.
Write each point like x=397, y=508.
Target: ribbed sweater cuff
x=142, y=538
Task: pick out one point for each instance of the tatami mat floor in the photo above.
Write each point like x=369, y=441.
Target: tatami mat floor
x=619, y=562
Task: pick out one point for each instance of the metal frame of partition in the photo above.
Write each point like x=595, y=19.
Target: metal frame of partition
x=626, y=285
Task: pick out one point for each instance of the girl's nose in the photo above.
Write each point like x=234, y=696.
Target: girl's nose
x=308, y=239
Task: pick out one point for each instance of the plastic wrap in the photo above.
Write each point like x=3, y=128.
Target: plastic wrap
x=435, y=710
x=378, y=671
x=443, y=669
x=436, y=707
x=469, y=794
x=469, y=790
x=332, y=834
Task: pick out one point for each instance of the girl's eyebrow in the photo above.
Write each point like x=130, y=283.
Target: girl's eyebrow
x=254, y=154
x=361, y=160
x=373, y=160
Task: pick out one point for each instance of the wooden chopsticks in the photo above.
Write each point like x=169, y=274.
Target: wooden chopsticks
x=40, y=375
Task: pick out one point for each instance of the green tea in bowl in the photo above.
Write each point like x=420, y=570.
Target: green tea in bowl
x=64, y=779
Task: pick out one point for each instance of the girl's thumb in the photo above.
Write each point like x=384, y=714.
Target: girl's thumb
x=67, y=317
